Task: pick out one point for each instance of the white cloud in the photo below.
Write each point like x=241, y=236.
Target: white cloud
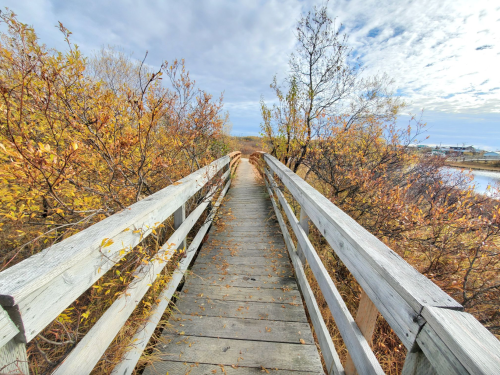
x=444, y=55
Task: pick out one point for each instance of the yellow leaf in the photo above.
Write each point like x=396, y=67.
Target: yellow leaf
x=106, y=242
x=302, y=341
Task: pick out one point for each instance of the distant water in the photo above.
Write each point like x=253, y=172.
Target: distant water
x=482, y=179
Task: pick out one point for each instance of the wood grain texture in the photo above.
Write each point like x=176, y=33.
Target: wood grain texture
x=234, y=252
x=191, y=368
x=304, y=223
x=366, y=319
x=227, y=352
x=179, y=217
x=258, y=261
x=417, y=290
x=455, y=342
x=256, y=281
x=8, y=329
x=201, y=307
x=416, y=363
x=241, y=329
x=246, y=294
x=13, y=358
x=204, y=269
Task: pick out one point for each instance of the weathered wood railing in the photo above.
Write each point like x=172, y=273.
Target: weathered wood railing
x=439, y=336
x=35, y=291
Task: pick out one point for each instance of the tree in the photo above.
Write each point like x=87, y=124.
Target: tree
x=324, y=81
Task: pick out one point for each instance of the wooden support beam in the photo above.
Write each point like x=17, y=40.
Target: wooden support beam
x=179, y=217
x=366, y=319
x=416, y=363
x=304, y=223
x=13, y=358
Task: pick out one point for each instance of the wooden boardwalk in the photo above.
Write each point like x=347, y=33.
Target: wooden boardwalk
x=240, y=310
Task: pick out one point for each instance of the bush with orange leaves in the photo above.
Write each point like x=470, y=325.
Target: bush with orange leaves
x=78, y=144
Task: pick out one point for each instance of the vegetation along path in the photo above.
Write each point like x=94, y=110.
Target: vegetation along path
x=240, y=307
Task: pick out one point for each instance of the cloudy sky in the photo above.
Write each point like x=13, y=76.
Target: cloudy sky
x=443, y=55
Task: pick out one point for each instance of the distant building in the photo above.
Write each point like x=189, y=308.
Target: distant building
x=462, y=149
x=491, y=155
x=438, y=152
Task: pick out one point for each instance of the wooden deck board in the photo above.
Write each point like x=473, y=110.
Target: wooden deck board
x=240, y=308
x=202, y=306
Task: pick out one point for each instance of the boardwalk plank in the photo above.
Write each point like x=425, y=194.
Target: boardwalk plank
x=240, y=309
x=202, y=306
x=231, y=252
x=242, y=329
x=257, y=261
x=190, y=368
x=227, y=352
x=245, y=281
x=204, y=269
x=245, y=294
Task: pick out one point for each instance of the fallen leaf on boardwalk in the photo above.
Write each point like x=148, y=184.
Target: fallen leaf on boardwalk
x=264, y=369
x=302, y=341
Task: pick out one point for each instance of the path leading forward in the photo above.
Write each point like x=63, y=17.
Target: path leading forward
x=240, y=311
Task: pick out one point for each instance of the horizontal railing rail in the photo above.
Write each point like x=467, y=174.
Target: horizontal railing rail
x=439, y=336
x=35, y=291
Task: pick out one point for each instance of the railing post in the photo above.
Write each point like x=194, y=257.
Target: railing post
x=366, y=319
x=13, y=358
x=304, y=223
x=416, y=363
x=179, y=217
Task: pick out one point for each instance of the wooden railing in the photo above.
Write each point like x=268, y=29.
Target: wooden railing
x=439, y=336
x=35, y=291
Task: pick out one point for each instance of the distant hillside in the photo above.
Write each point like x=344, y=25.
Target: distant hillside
x=249, y=144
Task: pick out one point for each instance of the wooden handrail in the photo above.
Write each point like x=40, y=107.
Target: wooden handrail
x=424, y=317
x=35, y=291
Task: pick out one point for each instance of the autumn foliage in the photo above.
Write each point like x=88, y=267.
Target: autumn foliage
x=75, y=150
x=81, y=139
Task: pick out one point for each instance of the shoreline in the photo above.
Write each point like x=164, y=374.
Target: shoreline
x=474, y=167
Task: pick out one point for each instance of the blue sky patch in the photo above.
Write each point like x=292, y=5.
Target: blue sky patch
x=374, y=32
